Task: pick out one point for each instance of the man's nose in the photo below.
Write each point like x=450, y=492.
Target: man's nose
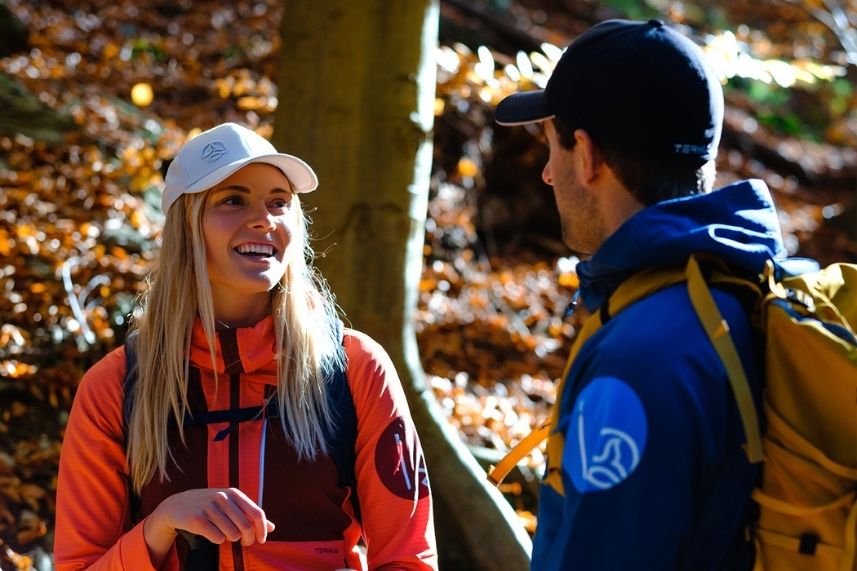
x=546, y=174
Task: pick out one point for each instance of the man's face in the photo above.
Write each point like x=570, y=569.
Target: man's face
x=579, y=212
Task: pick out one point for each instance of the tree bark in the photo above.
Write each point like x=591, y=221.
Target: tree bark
x=356, y=100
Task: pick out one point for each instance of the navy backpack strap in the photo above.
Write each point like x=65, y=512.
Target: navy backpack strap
x=128, y=382
x=344, y=438
x=201, y=555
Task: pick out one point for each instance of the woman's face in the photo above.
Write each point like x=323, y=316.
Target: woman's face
x=249, y=222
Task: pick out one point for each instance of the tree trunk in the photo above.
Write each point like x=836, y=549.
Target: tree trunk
x=356, y=100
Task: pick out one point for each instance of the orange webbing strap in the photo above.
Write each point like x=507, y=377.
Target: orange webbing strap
x=556, y=442
x=498, y=472
x=636, y=287
x=718, y=332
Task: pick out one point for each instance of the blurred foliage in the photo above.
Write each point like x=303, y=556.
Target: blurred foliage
x=80, y=219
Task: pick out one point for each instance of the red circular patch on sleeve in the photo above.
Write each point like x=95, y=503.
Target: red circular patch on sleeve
x=402, y=472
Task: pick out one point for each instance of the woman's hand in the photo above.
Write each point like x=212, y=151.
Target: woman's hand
x=217, y=514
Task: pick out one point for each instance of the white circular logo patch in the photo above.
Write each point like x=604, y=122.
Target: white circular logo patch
x=607, y=435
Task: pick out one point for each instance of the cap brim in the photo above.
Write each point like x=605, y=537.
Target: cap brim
x=523, y=108
x=300, y=175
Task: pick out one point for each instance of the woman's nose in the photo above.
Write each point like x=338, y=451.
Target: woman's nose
x=261, y=217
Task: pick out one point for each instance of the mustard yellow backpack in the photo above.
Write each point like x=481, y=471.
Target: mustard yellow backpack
x=808, y=495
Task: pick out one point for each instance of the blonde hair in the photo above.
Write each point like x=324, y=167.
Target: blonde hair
x=304, y=317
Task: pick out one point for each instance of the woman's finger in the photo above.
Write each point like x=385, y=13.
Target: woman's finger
x=254, y=514
x=235, y=507
x=210, y=531
x=219, y=514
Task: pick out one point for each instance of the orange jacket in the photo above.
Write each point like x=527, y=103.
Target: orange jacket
x=316, y=525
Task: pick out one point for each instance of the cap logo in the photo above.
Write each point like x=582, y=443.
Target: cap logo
x=685, y=149
x=214, y=150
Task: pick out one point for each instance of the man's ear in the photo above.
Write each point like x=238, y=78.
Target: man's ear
x=590, y=160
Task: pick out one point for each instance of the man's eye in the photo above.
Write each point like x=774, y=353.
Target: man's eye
x=538, y=132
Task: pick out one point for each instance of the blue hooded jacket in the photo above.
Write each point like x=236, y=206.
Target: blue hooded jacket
x=654, y=473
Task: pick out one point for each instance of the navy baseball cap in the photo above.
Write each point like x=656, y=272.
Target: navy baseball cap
x=638, y=87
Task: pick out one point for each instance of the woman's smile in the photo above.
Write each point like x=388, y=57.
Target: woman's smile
x=256, y=250
x=248, y=226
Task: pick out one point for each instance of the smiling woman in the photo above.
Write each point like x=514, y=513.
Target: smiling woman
x=250, y=220
x=238, y=385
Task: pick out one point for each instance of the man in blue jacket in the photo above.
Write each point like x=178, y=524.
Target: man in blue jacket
x=652, y=474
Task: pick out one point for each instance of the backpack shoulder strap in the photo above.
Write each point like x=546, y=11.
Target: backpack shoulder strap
x=128, y=382
x=342, y=438
x=499, y=471
x=344, y=434
x=636, y=287
x=717, y=330
x=342, y=441
x=642, y=284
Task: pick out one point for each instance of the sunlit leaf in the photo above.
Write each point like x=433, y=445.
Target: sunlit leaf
x=142, y=94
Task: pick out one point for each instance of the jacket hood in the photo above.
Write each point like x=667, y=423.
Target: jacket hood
x=238, y=350
x=737, y=223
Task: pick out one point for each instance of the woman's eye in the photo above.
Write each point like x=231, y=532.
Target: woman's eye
x=233, y=200
x=280, y=203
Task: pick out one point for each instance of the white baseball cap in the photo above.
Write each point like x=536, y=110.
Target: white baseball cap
x=216, y=154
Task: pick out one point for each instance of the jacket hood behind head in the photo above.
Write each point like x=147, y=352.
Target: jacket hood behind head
x=245, y=350
x=737, y=223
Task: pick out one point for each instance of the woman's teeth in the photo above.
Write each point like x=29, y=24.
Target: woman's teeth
x=259, y=250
